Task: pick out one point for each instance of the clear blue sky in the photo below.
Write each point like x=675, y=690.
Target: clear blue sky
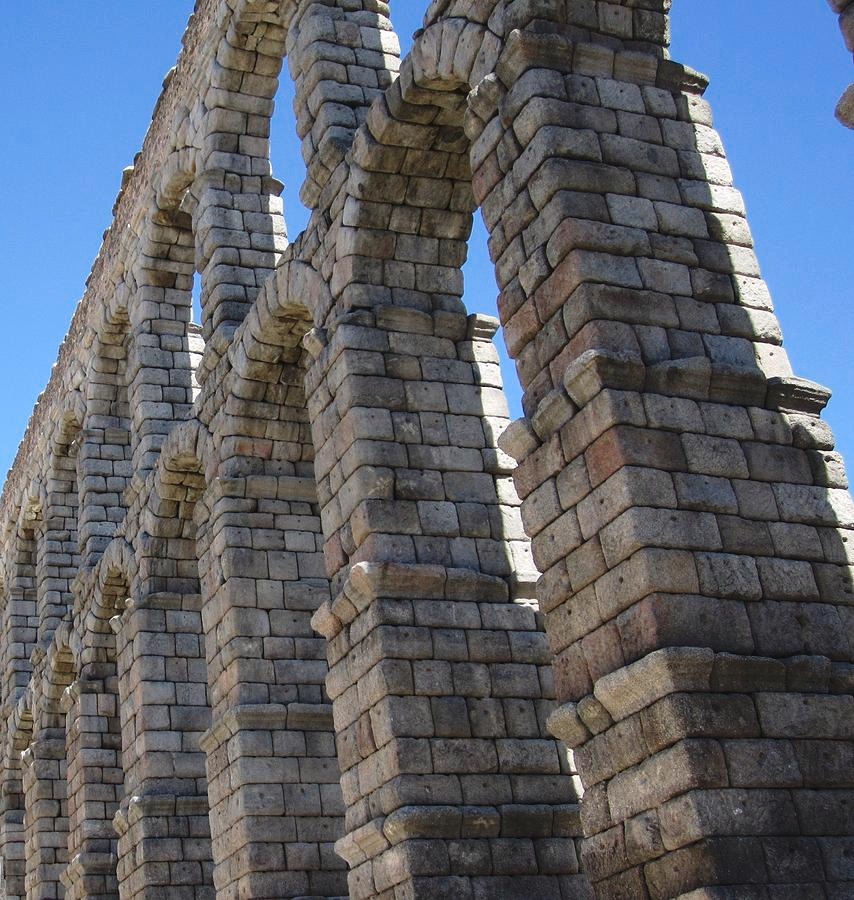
x=80, y=81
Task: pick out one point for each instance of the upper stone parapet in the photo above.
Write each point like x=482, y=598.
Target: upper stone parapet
x=112, y=261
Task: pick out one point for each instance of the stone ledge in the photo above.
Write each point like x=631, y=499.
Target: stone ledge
x=367, y=582
x=516, y=819
x=692, y=378
x=845, y=108
x=797, y=395
x=84, y=864
x=668, y=671
x=676, y=670
x=267, y=717
x=461, y=823
x=157, y=806
x=526, y=50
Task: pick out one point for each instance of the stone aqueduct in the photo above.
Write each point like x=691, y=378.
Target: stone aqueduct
x=269, y=625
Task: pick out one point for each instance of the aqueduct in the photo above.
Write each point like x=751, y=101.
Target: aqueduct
x=291, y=609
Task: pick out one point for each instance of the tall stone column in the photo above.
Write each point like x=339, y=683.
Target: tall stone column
x=163, y=350
x=238, y=223
x=45, y=815
x=95, y=787
x=439, y=681
x=164, y=832
x=12, y=849
x=19, y=617
x=104, y=457
x=12, y=832
x=275, y=800
x=58, y=555
x=686, y=507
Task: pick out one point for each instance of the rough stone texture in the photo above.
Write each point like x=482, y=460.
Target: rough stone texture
x=269, y=626
x=845, y=10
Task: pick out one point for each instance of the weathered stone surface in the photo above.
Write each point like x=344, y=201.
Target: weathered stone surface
x=268, y=620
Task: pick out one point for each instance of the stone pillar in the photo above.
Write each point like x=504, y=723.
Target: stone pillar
x=341, y=57
x=164, y=833
x=686, y=507
x=104, y=458
x=238, y=210
x=238, y=222
x=18, y=733
x=58, y=553
x=164, y=351
x=12, y=850
x=275, y=800
x=19, y=619
x=46, y=816
x=440, y=682
x=95, y=787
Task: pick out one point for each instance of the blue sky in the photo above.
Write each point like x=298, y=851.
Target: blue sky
x=81, y=80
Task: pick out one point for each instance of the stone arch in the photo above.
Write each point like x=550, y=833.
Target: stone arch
x=593, y=257
x=169, y=523
x=165, y=346
x=188, y=449
x=263, y=580
x=175, y=177
x=414, y=149
x=60, y=669
x=118, y=567
x=71, y=418
x=236, y=134
x=406, y=406
x=34, y=501
x=238, y=214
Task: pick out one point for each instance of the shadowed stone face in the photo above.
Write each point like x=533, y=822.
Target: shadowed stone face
x=289, y=608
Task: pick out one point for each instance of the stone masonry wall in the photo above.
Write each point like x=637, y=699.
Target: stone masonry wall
x=290, y=608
